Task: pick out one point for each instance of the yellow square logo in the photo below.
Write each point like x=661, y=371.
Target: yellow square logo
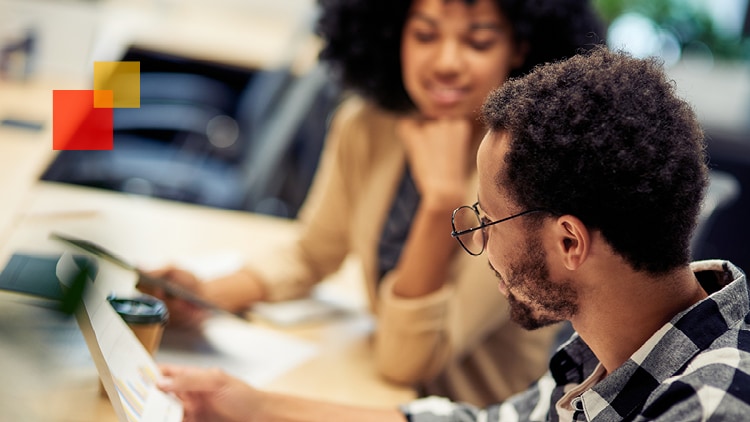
x=123, y=79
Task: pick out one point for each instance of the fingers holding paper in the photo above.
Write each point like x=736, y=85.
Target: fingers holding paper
x=209, y=394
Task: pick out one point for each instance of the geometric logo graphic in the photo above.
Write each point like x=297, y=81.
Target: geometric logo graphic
x=77, y=124
x=123, y=79
x=82, y=119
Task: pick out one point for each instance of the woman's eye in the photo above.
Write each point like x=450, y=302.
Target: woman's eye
x=424, y=36
x=482, y=45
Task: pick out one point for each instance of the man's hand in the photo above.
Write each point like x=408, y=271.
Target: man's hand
x=212, y=395
x=209, y=394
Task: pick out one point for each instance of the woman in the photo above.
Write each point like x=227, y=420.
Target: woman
x=398, y=159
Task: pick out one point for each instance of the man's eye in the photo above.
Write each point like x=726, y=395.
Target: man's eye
x=484, y=220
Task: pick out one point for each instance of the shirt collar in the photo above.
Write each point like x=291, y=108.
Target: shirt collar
x=666, y=353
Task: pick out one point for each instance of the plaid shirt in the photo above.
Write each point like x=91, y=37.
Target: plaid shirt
x=696, y=367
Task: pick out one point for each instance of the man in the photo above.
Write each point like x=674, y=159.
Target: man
x=590, y=183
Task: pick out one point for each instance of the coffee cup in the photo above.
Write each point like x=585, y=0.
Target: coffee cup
x=145, y=315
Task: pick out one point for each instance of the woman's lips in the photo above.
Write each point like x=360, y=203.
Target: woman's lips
x=446, y=96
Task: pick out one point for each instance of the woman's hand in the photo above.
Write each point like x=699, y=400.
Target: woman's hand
x=439, y=156
x=235, y=293
x=209, y=394
x=181, y=312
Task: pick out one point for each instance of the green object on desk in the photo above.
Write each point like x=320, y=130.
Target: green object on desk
x=36, y=275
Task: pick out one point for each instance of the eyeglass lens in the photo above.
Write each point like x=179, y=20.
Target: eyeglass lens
x=467, y=218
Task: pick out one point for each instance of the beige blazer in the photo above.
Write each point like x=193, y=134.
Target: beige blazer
x=457, y=342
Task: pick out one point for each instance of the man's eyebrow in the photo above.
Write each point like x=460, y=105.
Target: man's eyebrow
x=482, y=211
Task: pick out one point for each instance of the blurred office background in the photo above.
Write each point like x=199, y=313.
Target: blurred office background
x=234, y=107
x=705, y=46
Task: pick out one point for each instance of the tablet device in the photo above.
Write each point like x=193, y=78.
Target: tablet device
x=168, y=286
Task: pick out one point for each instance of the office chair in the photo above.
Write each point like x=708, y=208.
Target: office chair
x=261, y=156
x=283, y=157
x=178, y=145
x=190, y=111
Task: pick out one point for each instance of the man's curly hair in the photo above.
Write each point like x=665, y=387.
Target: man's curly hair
x=363, y=40
x=603, y=136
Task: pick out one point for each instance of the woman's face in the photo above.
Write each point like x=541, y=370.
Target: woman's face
x=453, y=54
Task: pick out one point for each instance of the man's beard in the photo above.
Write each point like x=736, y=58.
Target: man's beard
x=545, y=302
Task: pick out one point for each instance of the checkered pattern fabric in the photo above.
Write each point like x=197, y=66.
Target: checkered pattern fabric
x=695, y=368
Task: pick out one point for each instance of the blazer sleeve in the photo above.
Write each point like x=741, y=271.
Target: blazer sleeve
x=322, y=240
x=418, y=337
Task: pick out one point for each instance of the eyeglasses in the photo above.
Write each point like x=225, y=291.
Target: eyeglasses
x=466, y=220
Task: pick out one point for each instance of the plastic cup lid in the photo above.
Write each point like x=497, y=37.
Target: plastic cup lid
x=141, y=309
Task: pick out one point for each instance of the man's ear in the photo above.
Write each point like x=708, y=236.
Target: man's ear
x=573, y=241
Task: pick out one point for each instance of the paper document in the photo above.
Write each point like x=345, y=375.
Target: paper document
x=253, y=354
x=126, y=369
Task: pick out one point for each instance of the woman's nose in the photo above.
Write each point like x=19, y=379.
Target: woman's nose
x=448, y=56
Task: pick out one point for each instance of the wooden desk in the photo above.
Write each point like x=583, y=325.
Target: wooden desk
x=144, y=229
x=24, y=153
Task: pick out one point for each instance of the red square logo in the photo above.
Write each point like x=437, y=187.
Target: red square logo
x=77, y=124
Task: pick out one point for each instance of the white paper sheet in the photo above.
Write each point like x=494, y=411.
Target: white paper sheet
x=253, y=354
x=127, y=370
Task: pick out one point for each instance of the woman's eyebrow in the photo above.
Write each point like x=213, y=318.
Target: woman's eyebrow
x=495, y=26
x=474, y=26
x=425, y=18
